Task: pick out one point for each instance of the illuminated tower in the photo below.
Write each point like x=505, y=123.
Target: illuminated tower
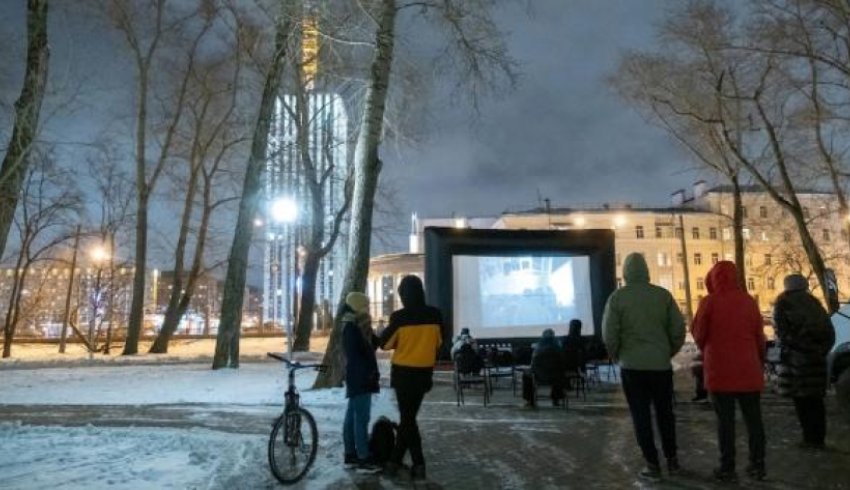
x=328, y=148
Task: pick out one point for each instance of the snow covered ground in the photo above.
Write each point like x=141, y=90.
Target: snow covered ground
x=146, y=456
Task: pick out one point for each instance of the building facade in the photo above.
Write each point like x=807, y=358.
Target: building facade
x=695, y=231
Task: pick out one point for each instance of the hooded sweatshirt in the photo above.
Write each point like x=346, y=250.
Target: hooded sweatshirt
x=414, y=334
x=728, y=330
x=642, y=326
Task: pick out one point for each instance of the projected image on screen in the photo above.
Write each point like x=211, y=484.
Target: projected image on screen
x=519, y=296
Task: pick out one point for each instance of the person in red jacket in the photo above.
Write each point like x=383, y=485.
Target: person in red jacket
x=728, y=330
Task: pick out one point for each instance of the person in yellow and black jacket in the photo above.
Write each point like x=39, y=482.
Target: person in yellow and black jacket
x=414, y=334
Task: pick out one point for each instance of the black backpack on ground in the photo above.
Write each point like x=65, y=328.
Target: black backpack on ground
x=382, y=439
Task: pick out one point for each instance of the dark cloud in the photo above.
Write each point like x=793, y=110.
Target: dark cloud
x=563, y=132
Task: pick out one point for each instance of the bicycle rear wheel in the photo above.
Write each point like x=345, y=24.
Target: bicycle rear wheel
x=292, y=445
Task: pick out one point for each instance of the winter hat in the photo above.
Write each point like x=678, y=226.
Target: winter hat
x=796, y=282
x=549, y=333
x=464, y=331
x=358, y=302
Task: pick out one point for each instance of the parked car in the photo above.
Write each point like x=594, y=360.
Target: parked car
x=839, y=356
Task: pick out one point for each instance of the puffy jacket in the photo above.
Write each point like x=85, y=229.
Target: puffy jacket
x=728, y=330
x=805, y=335
x=547, y=362
x=361, y=366
x=642, y=327
x=414, y=334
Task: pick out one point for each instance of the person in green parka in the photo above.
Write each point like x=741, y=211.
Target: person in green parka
x=643, y=329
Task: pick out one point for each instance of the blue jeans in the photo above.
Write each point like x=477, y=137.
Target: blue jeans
x=355, y=429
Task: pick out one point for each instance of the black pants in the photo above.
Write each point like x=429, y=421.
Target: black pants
x=556, y=393
x=812, y=415
x=699, y=382
x=645, y=389
x=409, y=402
x=724, y=407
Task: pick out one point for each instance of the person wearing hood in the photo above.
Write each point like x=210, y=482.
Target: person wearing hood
x=547, y=367
x=806, y=335
x=729, y=332
x=361, y=380
x=643, y=329
x=414, y=334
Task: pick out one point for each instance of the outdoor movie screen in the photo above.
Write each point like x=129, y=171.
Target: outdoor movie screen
x=521, y=295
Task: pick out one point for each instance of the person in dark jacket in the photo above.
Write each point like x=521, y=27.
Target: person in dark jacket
x=361, y=380
x=805, y=335
x=547, y=367
x=574, y=355
x=414, y=334
x=728, y=330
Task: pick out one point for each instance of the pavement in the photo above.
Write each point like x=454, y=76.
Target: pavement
x=507, y=446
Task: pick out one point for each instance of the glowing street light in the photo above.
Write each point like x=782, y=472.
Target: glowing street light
x=284, y=210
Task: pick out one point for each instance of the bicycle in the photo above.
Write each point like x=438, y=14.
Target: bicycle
x=294, y=438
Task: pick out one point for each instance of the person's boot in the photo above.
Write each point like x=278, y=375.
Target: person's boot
x=756, y=471
x=673, y=467
x=651, y=472
x=417, y=472
x=725, y=475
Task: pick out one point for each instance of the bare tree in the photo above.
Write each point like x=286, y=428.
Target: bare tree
x=474, y=50
x=147, y=26
x=674, y=88
x=27, y=110
x=227, y=340
x=49, y=202
x=213, y=134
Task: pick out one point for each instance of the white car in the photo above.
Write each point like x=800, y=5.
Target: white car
x=839, y=356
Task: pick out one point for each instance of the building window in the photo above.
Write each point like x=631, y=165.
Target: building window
x=697, y=259
x=680, y=284
x=712, y=233
x=751, y=284
x=638, y=231
x=695, y=233
x=715, y=258
x=748, y=260
x=771, y=283
x=826, y=235
x=678, y=232
x=762, y=212
x=663, y=259
x=746, y=233
x=744, y=211
x=727, y=234
x=700, y=284
x=768, y=259
x=764, y=236
x=658, y=232
x=680, y=258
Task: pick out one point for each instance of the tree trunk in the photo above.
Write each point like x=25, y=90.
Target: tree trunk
x=689, y=307
x=27, y=111
x=137, y=304
x=14, y=309
x=304, y=328
x=738, y=231
x=172, y=318
x=227, y=340
x=367, y=168
x=66, y=318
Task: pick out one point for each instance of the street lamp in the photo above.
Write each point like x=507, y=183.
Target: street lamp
x=99, y=255
x=284, y=210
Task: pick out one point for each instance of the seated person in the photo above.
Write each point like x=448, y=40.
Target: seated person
x=574, y=356
x=465, y=353
x=548, y=367
x=463, y=338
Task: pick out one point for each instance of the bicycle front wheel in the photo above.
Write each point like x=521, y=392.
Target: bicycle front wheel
x=292, y=445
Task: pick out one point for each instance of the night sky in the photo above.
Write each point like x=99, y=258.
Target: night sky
x=563, y=134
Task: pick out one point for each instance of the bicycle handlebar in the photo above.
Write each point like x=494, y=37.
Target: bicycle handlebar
x=295, y=364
